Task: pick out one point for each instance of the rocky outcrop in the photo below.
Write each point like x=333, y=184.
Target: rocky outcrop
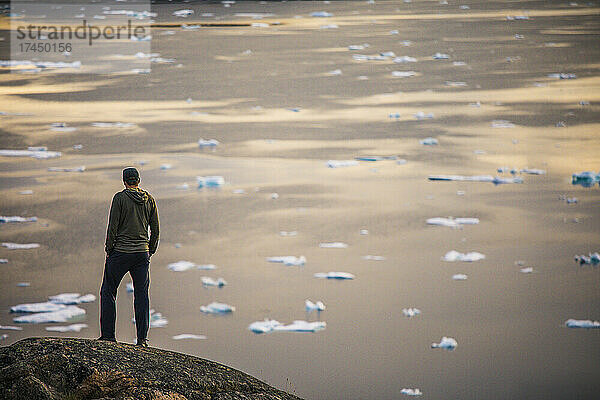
x=81, y=369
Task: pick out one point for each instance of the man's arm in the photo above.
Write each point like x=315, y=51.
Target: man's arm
x=154, y=229
x=113, y=225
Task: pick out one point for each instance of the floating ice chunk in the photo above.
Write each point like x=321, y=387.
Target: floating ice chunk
x=288, y=260
x=265, y=326
x=185, y=336
x=333, y=245
x=446, y=343
x=519, y=36
x=3, y=260
x=10, y=328
x=165, y=167
x=183, y=13
x=62, y=315
x=476, y=178
x=37, y=307
x=61, y=127
x=459, y=277
x=364, y=232
x=317, y=306
x=395, y=115
x=373, y=258
x=301, y=326
x=210, y=181
x=410, y=312
x=335, y=72
x=500, y=123
x=40, y=64
x=39, y=154
x=71, y=298
x=387, y=54
x=452, y=222
x=68, y=328
x=464, y=7
x=4, y=220
x=207, y=281
x=411, y=392
x=356, y=47
x=404, y=59
x=526, y=270
x=459, y=63
x=129, y=287
x=183, y=186
x=454, y=255
x=533, y=171
x=403, y=74
x=26, y=192
x=23, y=284
x=591, y=259
x=330, y=26
x=580, y=323
x=206, y=267
x=259, y=25
x=585, y=179
x=562, y=76
x=455, y=83
x=20, y=246
x=421, y=115
x=180, y=266
x=440, y=56
x=428, y=141
x=113, y=124
x=217, y=308
x=208, y=143
x=334, y=275
x=341, y=163
x=156, y=320
x=72, y=169
x=288, y=233
x=321, y=14
x=517, y=17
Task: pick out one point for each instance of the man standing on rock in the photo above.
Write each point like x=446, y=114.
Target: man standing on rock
x=128, y=249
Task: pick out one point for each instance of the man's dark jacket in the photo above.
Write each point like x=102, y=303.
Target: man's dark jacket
x=133, y=210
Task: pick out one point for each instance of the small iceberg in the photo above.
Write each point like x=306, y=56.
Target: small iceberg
x=207, y=281
x=72, y=169
x=5, y=220
x=335, y=72
x=217, y=308
x=68, y=328
x=37, y=307
x=208, y=143
x=156, y=320
x=183, y=13
x=420, y=116
x=165, y=167
x=580, y=323
x=562, y=76
x=526, y=270
x=452, y=222
x=440, y=56
x=113, y=124
x=61, y=127
x=334, y=275
x=20, y=246
x=429, y=141
x=500, y=123
x=265, y=326
x=333, y=245
x=410, y=312
x=590, y=259
x=403, y=74
x=321, y=14
x=185, y=336
x=288, y=260
x=446, y=343
x=39, y=154
x=288, y=233
x=476, y=178
x=404, y=59
x=370, y=257
x=459, y=277
x=454, y=255
x=210, y=181
x=71, y=298
x=301, y=326
x=411, y=392
x=341, y=163
x=62, y=315
x=586, y=179
x=317, y=306
x=181, y=266
x=10, y=328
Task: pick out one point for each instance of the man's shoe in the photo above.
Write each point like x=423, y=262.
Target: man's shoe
x=107, y=339
x=142, y=343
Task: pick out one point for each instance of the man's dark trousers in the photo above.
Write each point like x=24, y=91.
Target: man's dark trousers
x=117, y=265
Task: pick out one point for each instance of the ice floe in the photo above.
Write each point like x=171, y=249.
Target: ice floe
x=185, y=336
x=39, y=154
x=288, y=233
x=334, y=275
x=3, y=260
x=10, y=328
x=476, y=178
x=526, y=270
x=26, y=192
x=580, y=323
x=269, y=325
x=364, y=232
x=500, y=123
x=411, y=392
x=263, y=326
x=23, y=284
x=208, y=143
x=61, y=127
x=210, y=181
x=37, y=307
x=428, y=141
x=404, y=59
x=183, y=13
x=440, y=56
x=452, y=222
x=459, y=277
x=454, y=255
x=410, y=312
x=446, y=343
x=288, y=260
x=67, y=328
x=562, y=76
x=62, y=315
x=341, y=163
x=207, y=281
x=590, y=259
x=4, y=220
x=113, y=124
x=420, y=116
x=180, y=266
x=217, y=308
x=403, y=74
x=370, y=257
x=71, y=298
x=40, y=64
x=72, y=169
x=585, y=179
x=321, y=14
x=20, y=246
x=316, y=306
x=333, y=245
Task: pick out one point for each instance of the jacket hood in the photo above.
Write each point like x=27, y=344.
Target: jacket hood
x=136, y=194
